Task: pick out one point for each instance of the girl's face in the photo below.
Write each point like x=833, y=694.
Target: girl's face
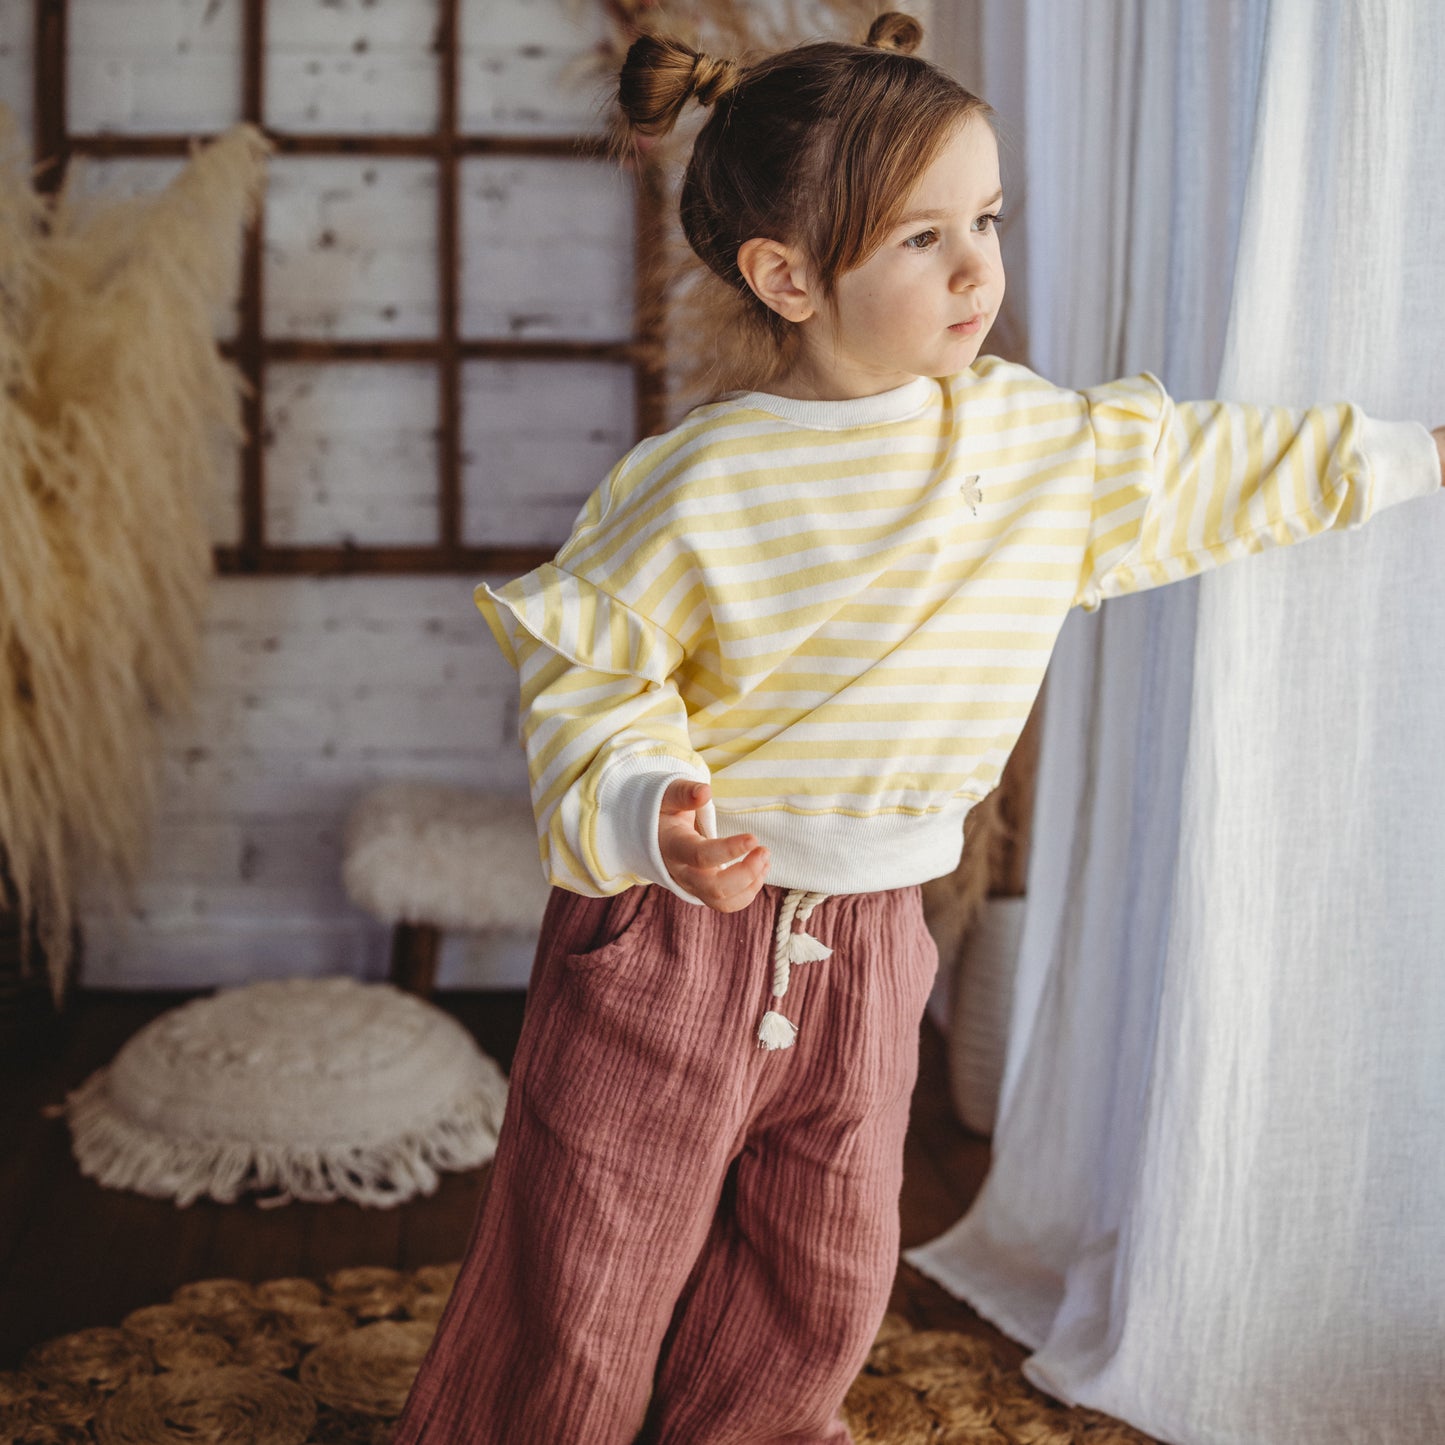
x=922, y=304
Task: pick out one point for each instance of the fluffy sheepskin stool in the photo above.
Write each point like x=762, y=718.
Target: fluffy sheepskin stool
x=424, y=857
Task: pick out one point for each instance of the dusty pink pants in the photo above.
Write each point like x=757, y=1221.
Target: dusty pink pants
x=675, y=1212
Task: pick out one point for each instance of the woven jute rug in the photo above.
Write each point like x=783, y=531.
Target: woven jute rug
x=291, y=1361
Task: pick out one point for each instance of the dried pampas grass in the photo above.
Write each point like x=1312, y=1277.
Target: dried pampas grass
x=115, y=399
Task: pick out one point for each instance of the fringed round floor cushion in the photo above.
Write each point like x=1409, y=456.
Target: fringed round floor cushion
x=315, y=1089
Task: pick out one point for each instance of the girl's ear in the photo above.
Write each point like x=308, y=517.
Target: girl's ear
x=778, y=277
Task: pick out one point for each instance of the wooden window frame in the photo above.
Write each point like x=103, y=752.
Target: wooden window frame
x=253, y=351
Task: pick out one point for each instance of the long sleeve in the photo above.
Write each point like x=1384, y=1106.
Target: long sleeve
x=603, y=726
x=1181, y=487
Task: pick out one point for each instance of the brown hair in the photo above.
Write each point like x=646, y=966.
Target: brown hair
x=818, y=146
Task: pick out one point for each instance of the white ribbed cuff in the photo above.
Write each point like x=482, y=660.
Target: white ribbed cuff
x=1404, y=461
x=629, y=801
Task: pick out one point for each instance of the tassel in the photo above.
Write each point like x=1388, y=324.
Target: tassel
x=776, y=1032
x=804, y=948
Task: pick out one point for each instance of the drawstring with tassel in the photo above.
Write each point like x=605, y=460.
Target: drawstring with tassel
x=775, y=1031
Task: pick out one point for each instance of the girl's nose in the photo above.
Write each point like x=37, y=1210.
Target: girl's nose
x=970, y=274
x=971, y=269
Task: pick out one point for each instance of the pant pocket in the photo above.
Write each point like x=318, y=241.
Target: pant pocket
x=620, y=928
x=624, y=1070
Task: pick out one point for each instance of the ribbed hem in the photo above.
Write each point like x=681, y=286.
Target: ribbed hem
x=841, y=853
x=902, y=402
x=1404, y=460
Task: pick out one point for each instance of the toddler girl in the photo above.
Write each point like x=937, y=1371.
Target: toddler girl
x=787, y=646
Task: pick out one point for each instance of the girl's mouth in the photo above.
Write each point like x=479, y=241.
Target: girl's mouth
x=966, y=327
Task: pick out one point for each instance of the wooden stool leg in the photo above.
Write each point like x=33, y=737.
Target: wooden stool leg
x=414, y=957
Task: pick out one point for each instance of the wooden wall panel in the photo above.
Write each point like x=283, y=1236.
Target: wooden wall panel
x=153, y=65
x=316, y=687
x=519, y=63
x=351, y=453
x=437, y=195
x=17, y=68
x=311, y=692
x=537, y=439
x=548, y=251
x=351, y=248
x=345, y=67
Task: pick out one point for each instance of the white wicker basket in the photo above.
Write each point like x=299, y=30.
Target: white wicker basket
x=982, y=998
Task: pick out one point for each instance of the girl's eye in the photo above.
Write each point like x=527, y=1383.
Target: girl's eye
x=994, y=217
x=922, y=241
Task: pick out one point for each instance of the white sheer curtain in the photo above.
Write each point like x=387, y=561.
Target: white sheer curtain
x=1217, y=1206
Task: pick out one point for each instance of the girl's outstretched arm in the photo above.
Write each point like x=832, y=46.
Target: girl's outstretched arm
x=1183, y=487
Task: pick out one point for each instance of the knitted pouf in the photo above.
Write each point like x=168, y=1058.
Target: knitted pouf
x=316, y=1089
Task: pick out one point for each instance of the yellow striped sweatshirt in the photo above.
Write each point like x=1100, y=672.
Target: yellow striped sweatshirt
x=839, y=613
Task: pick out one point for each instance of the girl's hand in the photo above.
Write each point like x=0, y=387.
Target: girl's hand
x=696, y=863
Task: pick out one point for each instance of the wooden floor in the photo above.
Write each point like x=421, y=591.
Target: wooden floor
x=73, y=1254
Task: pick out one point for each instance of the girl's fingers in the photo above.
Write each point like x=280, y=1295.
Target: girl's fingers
x=737, y=886
x=684, y=796
x=714, y=852
x=725, y=873
x=703, y=860
x=716, y=885
x=747, y=889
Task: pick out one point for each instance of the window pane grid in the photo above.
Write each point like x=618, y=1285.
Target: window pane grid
x=461, y=543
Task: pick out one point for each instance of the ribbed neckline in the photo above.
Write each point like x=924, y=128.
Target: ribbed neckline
x=899, y=404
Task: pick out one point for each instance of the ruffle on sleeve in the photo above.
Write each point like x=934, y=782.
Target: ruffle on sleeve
x=1129, y=401
x=580, y=621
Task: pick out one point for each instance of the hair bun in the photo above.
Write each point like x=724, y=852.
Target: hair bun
x=713, y=78
x=660, y=76
x=893, y=30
